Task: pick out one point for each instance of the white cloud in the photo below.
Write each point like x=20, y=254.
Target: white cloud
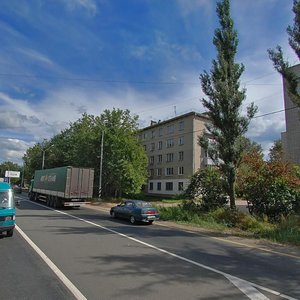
x=34, y=55
x=89, y=5
x=188, y=7
x=13, y=149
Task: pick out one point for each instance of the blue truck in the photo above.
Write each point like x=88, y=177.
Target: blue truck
x=7, y=209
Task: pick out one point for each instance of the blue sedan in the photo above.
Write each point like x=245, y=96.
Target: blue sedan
x=135, y=211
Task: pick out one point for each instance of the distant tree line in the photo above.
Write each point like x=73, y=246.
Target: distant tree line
x=124, y=161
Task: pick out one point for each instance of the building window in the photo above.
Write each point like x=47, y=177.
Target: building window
x=180, y=155
x=153, y=133
x=170, y=157
x=151, y=160
x=180, y=170
x=170, y=143
x=181, y=125
x=151, y=186
x=144, y=135
x=145, y=147
x=169, y=171
x=159, y=172
x=181, y=140
x=180, y=186
x=161, y=131
x=159, y=186
x=151, y=172
x=160, y=159
x=170, y=129
x=160, y=144
x=152, y=146
x=169, y=186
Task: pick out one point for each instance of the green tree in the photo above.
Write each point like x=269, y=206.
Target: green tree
x=276, y=151
x=207, y=185
x=124, y=160
x=281, y=65
x=222, y=86
x=10, y=166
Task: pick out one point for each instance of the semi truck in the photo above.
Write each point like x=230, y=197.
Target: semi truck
x=62, y=187
x=7, y=209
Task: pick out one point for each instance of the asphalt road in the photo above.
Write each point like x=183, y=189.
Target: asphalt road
x=106, y=258
x=24, y=275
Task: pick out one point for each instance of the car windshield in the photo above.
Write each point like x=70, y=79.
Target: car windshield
x=7, y=199
x=143, y=204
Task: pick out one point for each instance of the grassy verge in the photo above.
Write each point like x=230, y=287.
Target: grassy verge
x=239, y=223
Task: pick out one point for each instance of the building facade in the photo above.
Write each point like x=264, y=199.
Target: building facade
x=173, y=152
x=291, y=138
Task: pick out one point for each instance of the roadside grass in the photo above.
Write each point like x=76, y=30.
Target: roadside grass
x=236, y=223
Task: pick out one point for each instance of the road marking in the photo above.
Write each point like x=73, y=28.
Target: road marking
x=72, y=288
x=222, y=239
x=247, y=287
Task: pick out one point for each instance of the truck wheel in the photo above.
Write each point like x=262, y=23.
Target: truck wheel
x=9, y=233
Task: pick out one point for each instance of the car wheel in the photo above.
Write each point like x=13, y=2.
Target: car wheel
x=150, y=222
x=10, y=233
x=132, y=219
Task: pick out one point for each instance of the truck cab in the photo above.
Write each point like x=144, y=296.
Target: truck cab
x=7, y=209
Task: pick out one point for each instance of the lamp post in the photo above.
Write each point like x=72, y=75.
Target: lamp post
x=43, y=159
x=22, y=179
x=100, y=171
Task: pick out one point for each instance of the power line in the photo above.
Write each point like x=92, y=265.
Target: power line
x=124, y=81
x=276, y=112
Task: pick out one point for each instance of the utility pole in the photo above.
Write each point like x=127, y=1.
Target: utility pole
x=43, y=159
x=100, y=171
x=22, y=180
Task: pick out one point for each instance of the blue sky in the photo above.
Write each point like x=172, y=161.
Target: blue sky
x=61, y=58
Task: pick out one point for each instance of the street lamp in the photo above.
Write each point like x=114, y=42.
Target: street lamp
x=100, y=171
x=43, y=160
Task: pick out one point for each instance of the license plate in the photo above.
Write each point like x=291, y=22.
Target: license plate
x=151, y=217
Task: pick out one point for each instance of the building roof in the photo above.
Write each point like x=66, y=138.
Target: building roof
x=160, y=123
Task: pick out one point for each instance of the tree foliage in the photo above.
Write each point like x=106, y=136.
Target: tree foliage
x=271, y=186
x=124, y=160
x=207, y=185
x=10, y=166
x=222, y=86
x=276, y=151
x=282, y=65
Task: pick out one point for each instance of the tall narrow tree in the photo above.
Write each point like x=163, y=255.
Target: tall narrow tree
x=225, y=98
x=283, y=66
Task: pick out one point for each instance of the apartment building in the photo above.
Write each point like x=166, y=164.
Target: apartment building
x=173, y=152
x=291, y=138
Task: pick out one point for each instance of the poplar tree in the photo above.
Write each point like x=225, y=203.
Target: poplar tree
x=283, y=66
x=225, y=97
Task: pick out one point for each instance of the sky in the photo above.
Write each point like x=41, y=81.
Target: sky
x=62, y=58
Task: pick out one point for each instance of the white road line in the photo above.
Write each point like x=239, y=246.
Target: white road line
x=247, y=287
x=53, y=267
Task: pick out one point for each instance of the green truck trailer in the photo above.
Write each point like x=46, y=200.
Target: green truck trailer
x=62, y=187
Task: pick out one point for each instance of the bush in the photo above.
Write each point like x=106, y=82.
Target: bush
x=234, y=218
x=208, y=185
x=275, y=199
